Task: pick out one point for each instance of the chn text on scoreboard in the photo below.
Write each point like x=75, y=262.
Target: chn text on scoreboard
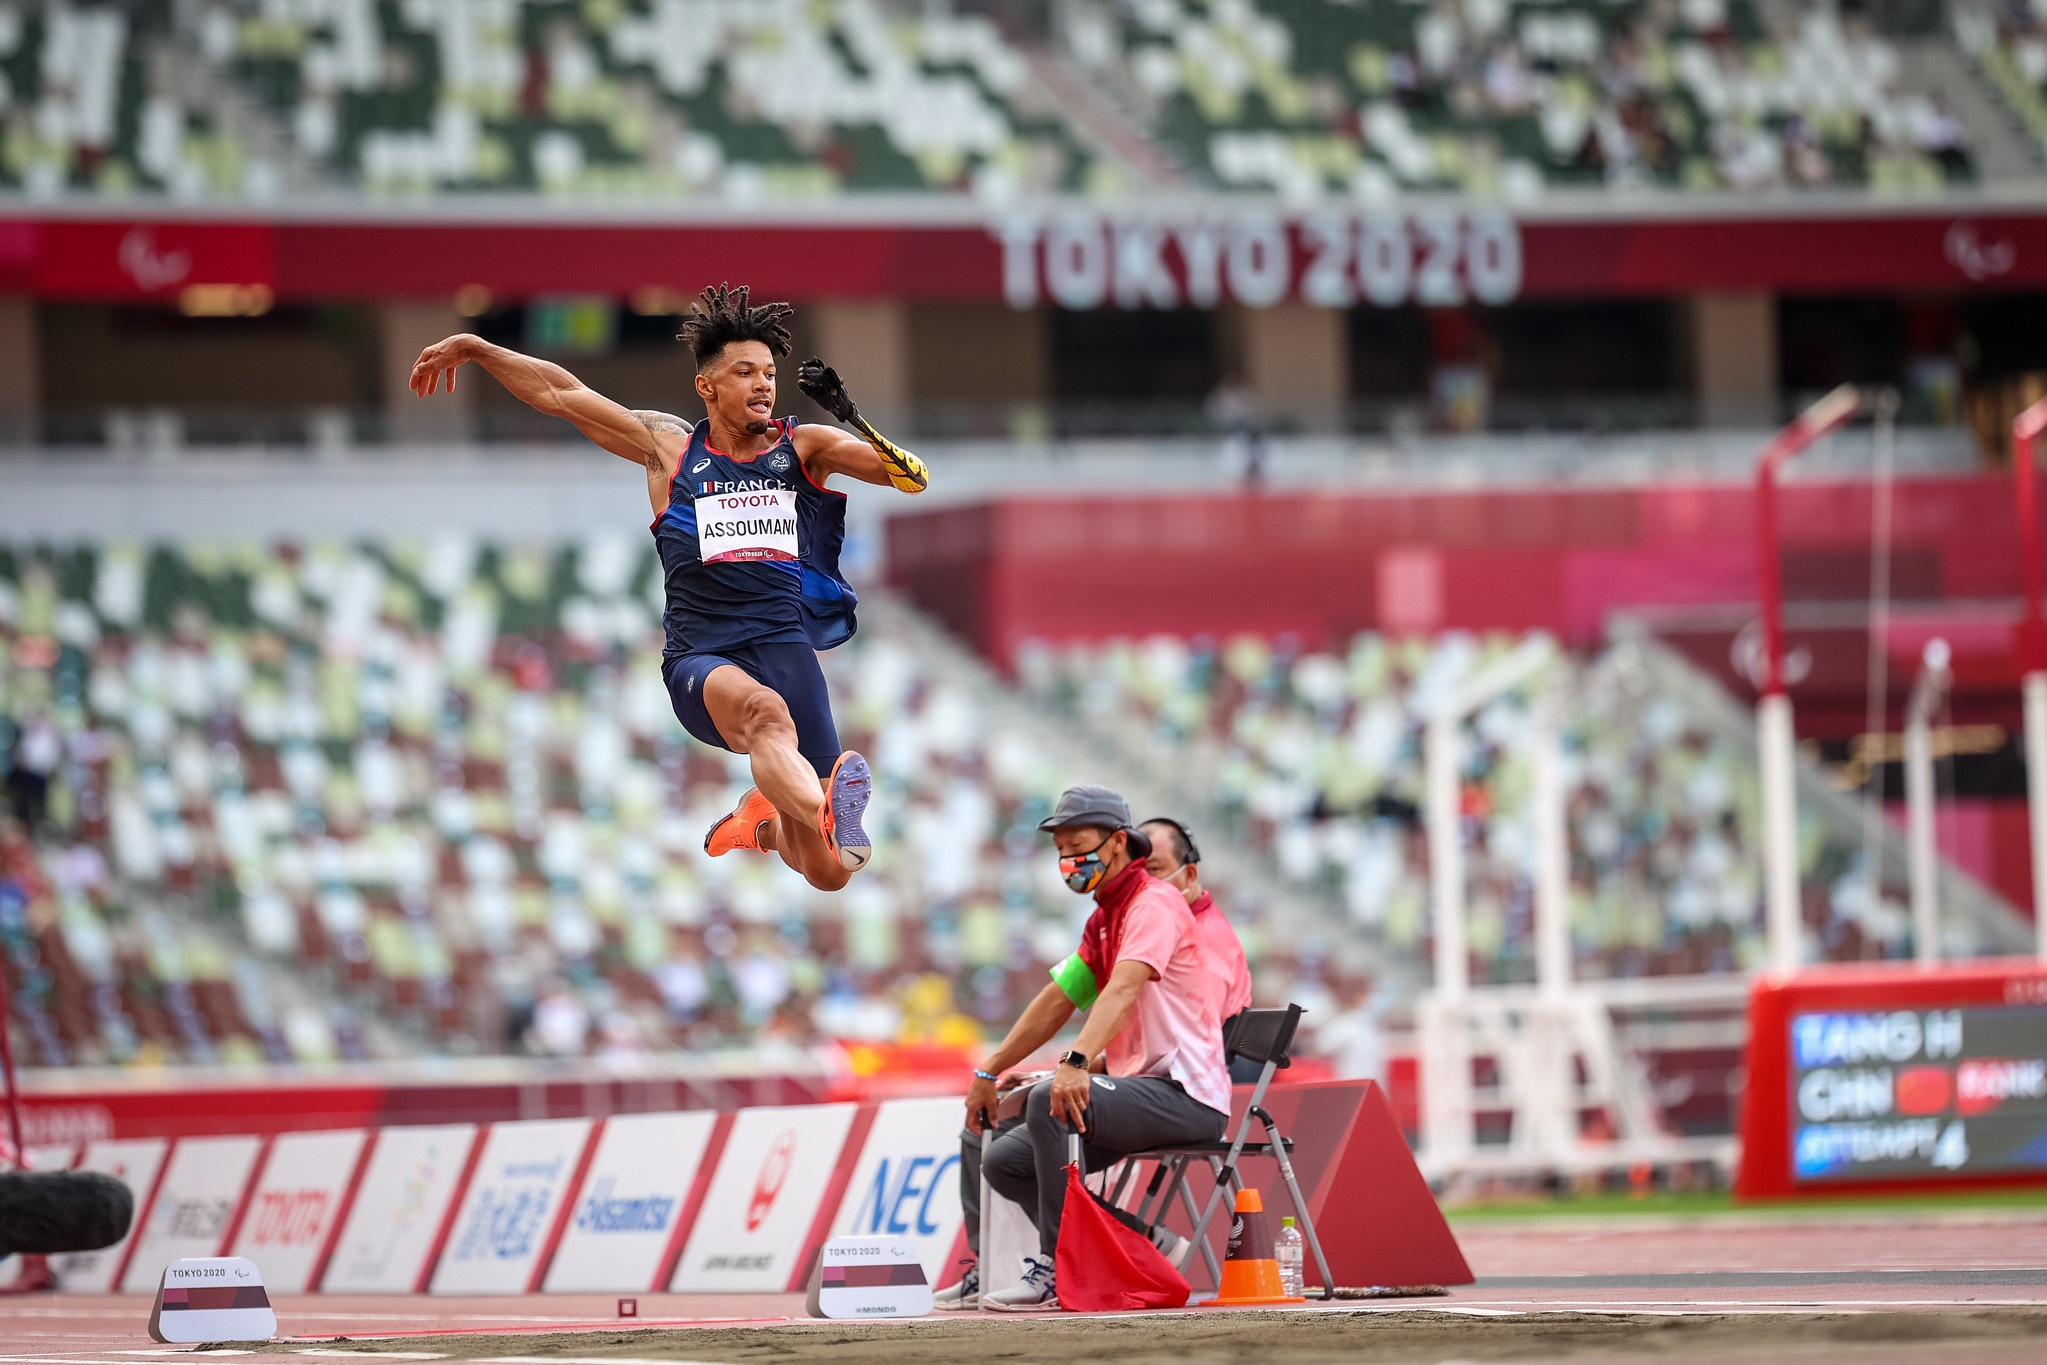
x=1874, y=1077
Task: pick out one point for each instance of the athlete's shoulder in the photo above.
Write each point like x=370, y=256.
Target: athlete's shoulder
x=662, y=423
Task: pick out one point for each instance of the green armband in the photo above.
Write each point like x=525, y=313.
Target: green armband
x=1078, y=982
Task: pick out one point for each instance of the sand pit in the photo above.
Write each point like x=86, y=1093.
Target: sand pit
x=1292, y=1338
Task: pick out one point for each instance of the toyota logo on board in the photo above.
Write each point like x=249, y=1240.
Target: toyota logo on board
x=774, y=1172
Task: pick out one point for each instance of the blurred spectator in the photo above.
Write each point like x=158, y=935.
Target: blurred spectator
x=38, y=750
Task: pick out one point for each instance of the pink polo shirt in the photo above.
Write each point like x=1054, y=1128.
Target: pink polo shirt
x=1173, y=1029
x=1229, y=972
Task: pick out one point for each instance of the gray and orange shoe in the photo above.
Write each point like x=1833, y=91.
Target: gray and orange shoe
x=742, y=828
x=845, y=801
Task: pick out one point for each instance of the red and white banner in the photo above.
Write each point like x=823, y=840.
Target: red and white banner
x=296, y=1205
x=401, y=1209
x=1078, y=258
x=627, y=1216
x=764, y=1199
x=508, y=1216
x=906, y=1182
x=197, y=1197
x=135, y=1162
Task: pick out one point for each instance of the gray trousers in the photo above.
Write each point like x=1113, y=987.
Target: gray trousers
x=1027, y=1160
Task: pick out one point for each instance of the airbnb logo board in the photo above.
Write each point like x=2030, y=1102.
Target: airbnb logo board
x=193, y=1204
x=625, y=1216
x=764, y=1198
x=404, y=1195
x=906, y=1184
x=293, y=1207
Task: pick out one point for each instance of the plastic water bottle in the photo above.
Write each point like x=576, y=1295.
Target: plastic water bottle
x=1286, y=1249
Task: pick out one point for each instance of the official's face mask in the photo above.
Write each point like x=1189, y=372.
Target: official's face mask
x=1083, y=871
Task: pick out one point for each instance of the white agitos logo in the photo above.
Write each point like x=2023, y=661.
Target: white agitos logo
x=150, y=268
x=1976, y=258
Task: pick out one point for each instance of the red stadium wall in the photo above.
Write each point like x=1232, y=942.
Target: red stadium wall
x=1324, y=565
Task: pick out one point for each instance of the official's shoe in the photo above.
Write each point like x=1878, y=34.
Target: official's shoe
x=845, y=801
x=964, y=1295
x=742, y=828
x=1171, y=1245
x=1036, y=1292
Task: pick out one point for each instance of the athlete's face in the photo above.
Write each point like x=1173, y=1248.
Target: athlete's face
x=738, y=388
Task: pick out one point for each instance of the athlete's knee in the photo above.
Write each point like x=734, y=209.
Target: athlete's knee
x=830, y=877
x=763, y=715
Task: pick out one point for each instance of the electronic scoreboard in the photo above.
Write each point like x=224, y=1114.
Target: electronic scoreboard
x=1887, y=1076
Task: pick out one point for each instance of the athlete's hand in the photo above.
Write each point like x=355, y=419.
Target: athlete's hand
x=821, y=384
x=440, y=358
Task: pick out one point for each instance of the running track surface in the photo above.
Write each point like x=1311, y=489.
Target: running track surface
x=1744, y=1263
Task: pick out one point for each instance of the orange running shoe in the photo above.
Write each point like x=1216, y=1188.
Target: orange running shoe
x=742, y=828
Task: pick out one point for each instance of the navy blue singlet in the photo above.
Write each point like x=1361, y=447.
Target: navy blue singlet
x=757, y=601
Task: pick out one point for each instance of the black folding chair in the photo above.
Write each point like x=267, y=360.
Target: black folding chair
x=1263, y=1036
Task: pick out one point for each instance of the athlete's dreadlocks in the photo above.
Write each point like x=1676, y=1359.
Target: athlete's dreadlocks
x=720, y=316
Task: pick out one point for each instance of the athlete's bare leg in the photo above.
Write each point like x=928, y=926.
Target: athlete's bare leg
x=755, y=721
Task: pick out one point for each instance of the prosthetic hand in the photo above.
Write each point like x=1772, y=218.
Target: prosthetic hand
x=822, y=385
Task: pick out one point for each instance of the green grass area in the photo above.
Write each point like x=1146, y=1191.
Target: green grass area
x=1704, y=1203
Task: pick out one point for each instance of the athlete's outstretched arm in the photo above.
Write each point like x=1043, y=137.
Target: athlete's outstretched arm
x=547, y=387
x=870, y=456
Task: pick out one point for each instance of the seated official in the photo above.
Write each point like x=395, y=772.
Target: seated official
x=1142, y=977
x=1176, y=861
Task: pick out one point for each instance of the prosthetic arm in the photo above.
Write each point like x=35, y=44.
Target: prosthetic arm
x=822, y=385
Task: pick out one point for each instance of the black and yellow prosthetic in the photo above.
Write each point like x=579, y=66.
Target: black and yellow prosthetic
x=822, y=385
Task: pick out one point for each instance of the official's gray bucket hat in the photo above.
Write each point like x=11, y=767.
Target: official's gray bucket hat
x=1094, y=806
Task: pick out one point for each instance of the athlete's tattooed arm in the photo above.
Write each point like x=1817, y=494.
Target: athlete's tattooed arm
x=670, y=433
x=872, y=458
x=547, y=387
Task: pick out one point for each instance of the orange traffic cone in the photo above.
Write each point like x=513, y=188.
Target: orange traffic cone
x=1250, y=1272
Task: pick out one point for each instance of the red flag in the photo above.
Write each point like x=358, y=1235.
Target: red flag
x=1104, y=1266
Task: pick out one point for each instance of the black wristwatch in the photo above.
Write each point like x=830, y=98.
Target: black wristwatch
x=1075, y=1059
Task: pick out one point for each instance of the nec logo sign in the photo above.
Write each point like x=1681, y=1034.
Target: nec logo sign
x=899, y=1198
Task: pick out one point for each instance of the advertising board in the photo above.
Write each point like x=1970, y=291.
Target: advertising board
x=906, y=1182
x=764, y=1198
x=199, y=1193
x=508, y=1213
x=1891, y=1076
x=399, y=1209
x=295, y=1204
x=628, y=1212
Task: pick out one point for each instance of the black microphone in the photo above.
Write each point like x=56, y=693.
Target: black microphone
x=47, y=1213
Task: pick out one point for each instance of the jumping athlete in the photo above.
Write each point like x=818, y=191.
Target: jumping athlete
x=749, y=539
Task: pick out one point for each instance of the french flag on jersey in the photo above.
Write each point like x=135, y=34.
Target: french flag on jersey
x=706, y=488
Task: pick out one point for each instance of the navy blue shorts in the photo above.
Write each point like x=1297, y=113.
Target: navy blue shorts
x=788, y=670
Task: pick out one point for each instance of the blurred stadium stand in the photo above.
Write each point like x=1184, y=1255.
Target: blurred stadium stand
x=439, y=786
x=666, y=99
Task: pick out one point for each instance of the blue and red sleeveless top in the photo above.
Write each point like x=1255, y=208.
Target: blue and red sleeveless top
x=763, y=565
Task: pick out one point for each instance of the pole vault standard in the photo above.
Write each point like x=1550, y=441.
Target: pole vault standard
x=1927, y=692
x=2025, y=433
x=1444, y=1023
x=1774, y=734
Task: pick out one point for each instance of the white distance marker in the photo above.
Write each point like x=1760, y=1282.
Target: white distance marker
x=211, y=1298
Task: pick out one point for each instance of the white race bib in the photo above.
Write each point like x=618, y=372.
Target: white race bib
x=744, y=526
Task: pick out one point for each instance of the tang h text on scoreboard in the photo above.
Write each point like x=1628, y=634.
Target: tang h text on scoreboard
x=1867, y=1077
